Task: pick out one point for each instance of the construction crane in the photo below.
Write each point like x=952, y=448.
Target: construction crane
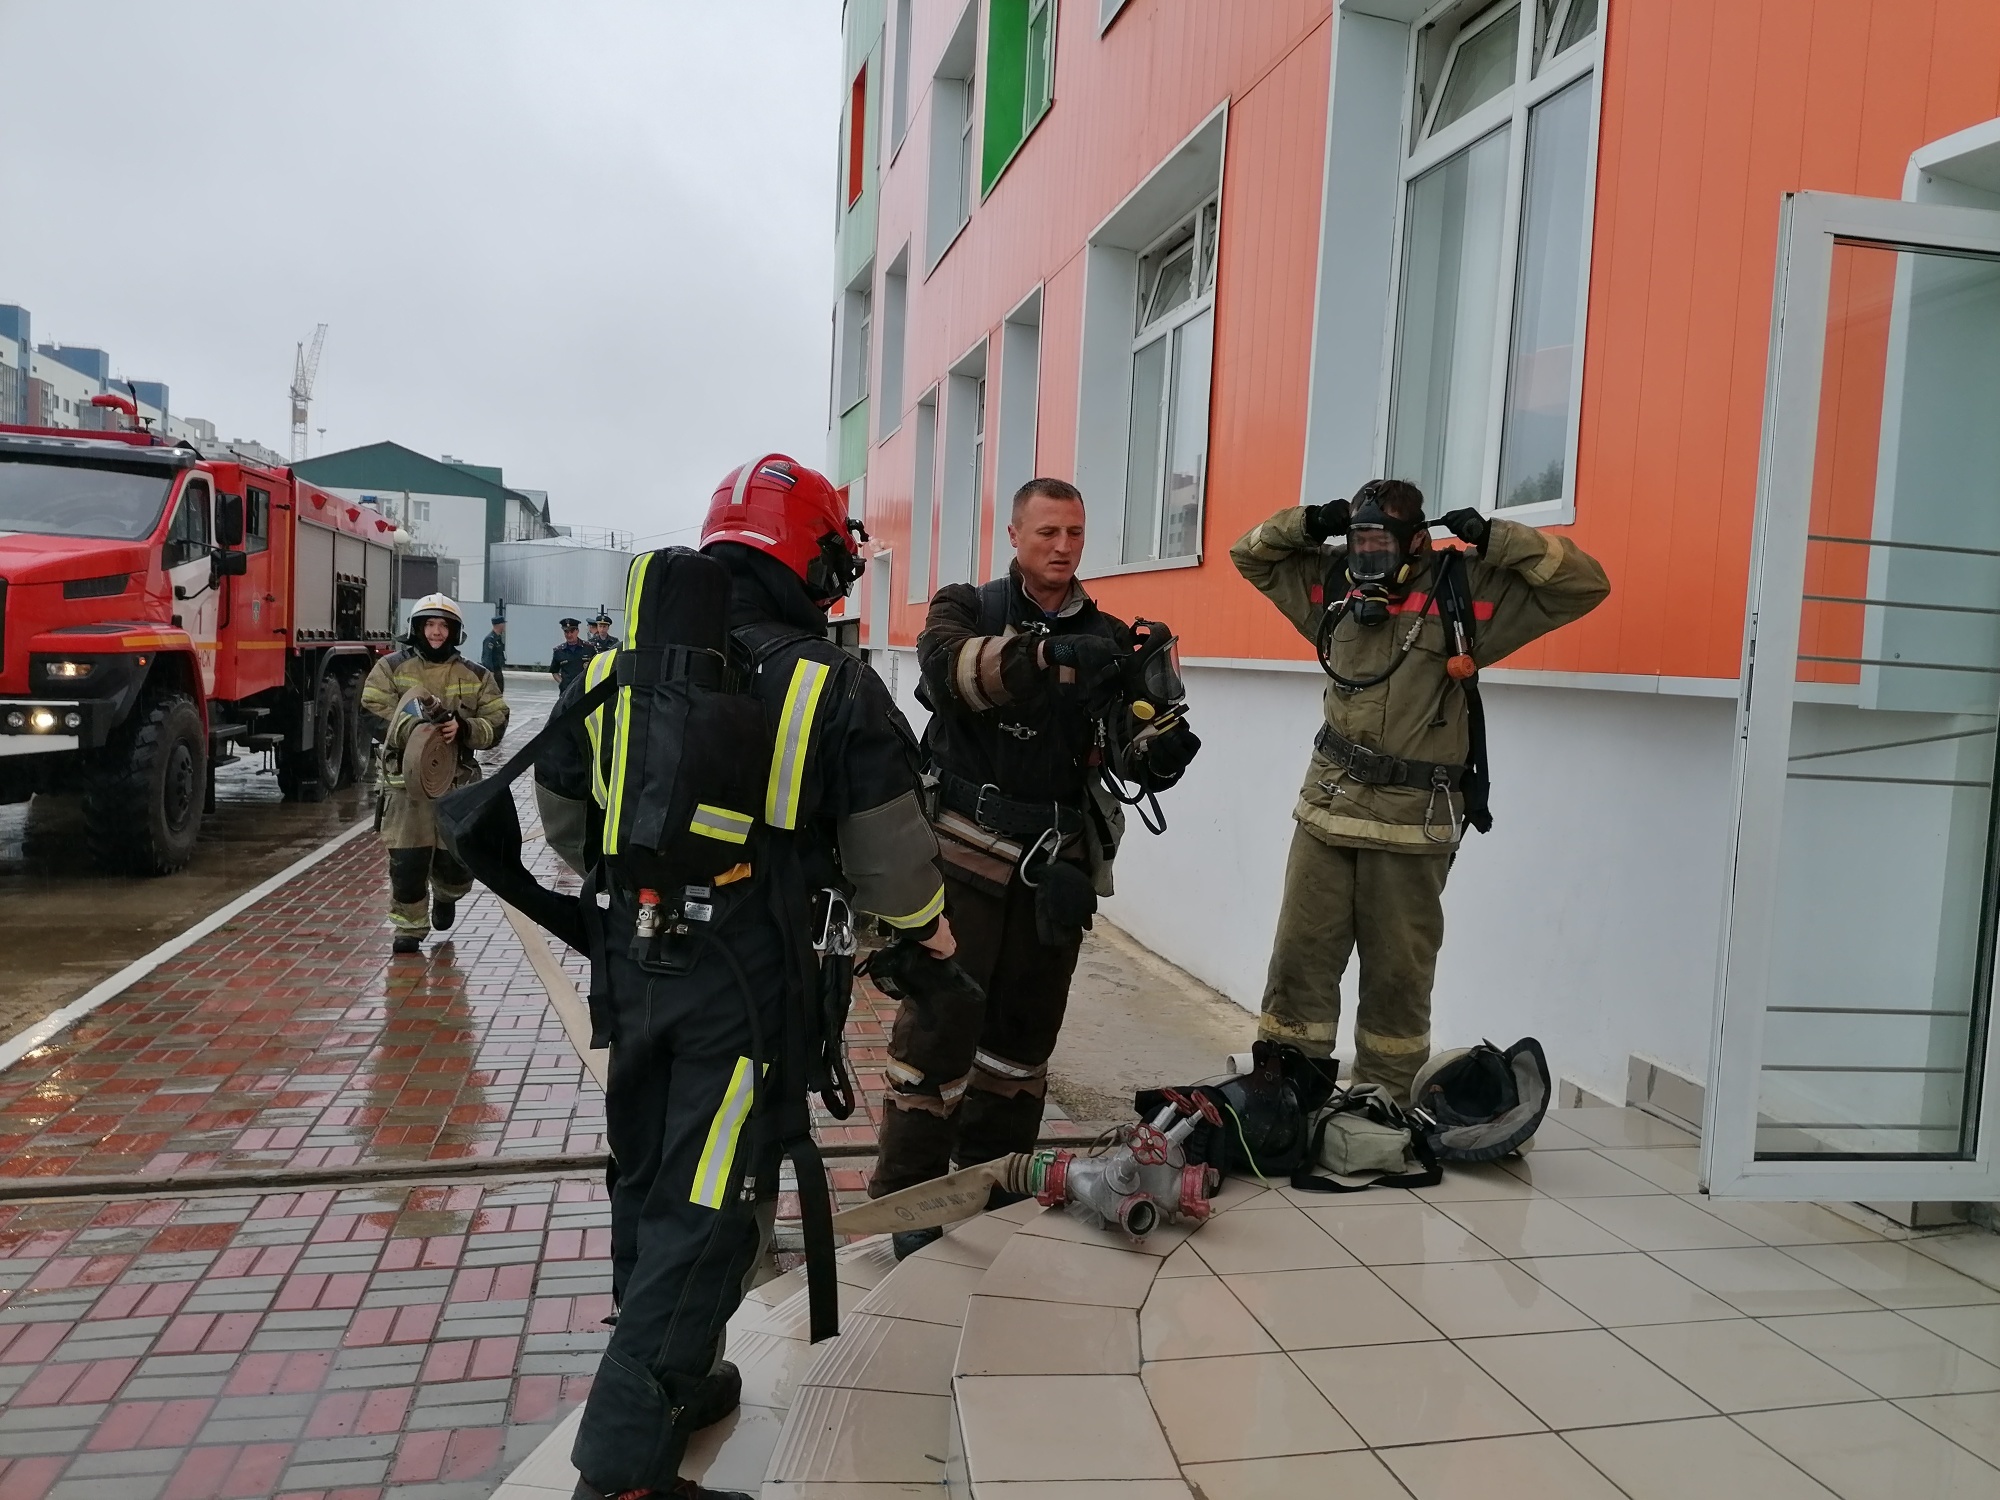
x=303, y=374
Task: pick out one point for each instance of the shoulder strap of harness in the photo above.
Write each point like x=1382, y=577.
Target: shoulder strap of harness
x=1454, y=599
x=995, y=597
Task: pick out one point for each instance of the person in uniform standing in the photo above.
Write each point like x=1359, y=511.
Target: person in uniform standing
x=1394, y=776
x=1015, y=674
x=493, y=653
x=690, y=1039
x=571, y=657
x=601, y=638
x=429, y=689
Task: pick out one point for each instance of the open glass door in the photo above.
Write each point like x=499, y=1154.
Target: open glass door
x=1855, y=1020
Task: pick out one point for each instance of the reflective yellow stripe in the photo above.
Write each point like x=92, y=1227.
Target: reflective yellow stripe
x=922, y=915
x=596, y=672
x=720, y=823
x=711, y=1173
x=788, y=761
x=635, y=582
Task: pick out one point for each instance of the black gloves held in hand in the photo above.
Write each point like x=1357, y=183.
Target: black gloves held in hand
x=1469, y=526
x=1330, y=519
x=1091, y=657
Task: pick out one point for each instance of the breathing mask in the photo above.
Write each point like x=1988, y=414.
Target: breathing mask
x=1378, y=560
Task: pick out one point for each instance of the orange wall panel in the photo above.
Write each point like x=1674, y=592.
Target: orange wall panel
x=1711, y=111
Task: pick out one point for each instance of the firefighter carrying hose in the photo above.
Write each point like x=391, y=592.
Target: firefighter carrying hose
x=428, y=692
x=736, y=789
x=1398, y=768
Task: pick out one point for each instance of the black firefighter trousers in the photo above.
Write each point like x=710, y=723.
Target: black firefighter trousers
x=688, y=1219
x=966, y=1083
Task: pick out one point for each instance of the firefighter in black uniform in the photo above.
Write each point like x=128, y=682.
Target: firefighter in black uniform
x=571, y=657
x=1015, y=675
x=690, y=1049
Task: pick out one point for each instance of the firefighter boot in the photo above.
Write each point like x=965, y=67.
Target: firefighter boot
x=719, y=1395
x=407, y=942
x=683, y=1489
x=443, y=913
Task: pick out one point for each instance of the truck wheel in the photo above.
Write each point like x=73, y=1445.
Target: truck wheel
x=142, y=804
x=359, y=739
x=313, y=775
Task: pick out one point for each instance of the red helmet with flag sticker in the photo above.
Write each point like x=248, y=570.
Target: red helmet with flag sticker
x=792, y=513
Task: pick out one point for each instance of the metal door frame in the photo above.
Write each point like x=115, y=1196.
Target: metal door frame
x=1810, y=223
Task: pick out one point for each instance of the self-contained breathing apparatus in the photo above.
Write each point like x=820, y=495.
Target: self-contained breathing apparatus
x=680, y=773
x=1150, y=700
x=1369, y=582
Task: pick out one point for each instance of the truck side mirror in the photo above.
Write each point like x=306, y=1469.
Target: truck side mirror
x=229, y=520
x=228, y=564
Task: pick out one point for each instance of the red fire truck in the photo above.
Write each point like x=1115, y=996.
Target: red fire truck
x=164, y=612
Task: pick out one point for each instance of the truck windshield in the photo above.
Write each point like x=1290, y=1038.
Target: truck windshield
x=72, y=499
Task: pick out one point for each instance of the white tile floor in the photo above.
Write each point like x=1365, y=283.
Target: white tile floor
x=1576, y=1325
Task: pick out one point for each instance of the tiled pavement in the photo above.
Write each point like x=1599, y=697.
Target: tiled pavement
x=383, y=1342
x=286, y=1039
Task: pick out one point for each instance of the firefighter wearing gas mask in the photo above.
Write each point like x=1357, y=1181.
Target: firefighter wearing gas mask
x=703, y=990
x=1398, y=769
x=428, y=688
x=1035, y=694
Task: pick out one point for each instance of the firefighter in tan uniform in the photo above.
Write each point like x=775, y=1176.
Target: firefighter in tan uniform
x=1394, y=777
x=428, y=686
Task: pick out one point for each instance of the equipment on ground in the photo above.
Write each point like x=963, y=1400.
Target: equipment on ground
x=167, y=609
x=1485, y=1103
x=1135, y=1179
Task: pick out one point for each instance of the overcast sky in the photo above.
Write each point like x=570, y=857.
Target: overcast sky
x=588, y=242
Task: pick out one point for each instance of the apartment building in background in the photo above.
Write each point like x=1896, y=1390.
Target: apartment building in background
x=1708, y=284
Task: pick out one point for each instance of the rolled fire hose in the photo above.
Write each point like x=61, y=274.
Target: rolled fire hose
x=430, y=764
x=943, y=1200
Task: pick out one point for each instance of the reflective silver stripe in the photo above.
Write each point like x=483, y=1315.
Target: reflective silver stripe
x=720, y=823
x=711, y=1173
x=1003, y=1068
x=788, y=762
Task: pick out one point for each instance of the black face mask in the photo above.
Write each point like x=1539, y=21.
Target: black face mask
x=1378, y=561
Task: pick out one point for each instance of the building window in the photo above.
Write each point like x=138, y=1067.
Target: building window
x=895, y=338
x=1173, y=348
x=1020, y=79
x=899, y=78
x=963, y=470
x=953, y=137
x=923, y=499
x=420, y=510
x=857, y=136
x=1149, y=296
x=857, y=308
x=1489, y=307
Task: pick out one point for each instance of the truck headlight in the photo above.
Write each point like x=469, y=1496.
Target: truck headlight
x=42, y=720
x=17, y=719
x=70, y=669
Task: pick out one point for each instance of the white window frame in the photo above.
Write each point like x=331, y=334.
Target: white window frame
x=961, y=486
x=899, y=79
x=857, y=318
x=923, y=499
x=895, y=343
x=1016, y=429
x=1107, y=12
x=1203, y=242
x=1189, y=176
x=1537, y=77
x=954, y=135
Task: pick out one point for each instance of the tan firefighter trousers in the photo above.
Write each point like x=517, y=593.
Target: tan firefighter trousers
x=1387, y=905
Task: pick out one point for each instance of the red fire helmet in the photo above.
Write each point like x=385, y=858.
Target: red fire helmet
x=792, y=513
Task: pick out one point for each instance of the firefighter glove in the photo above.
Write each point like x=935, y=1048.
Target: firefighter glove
x=1330, y=519
x=1469, y=526
x=1064, y=902
x=1091, y=657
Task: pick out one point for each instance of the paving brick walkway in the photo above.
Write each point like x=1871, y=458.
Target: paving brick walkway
x=370, y=1342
